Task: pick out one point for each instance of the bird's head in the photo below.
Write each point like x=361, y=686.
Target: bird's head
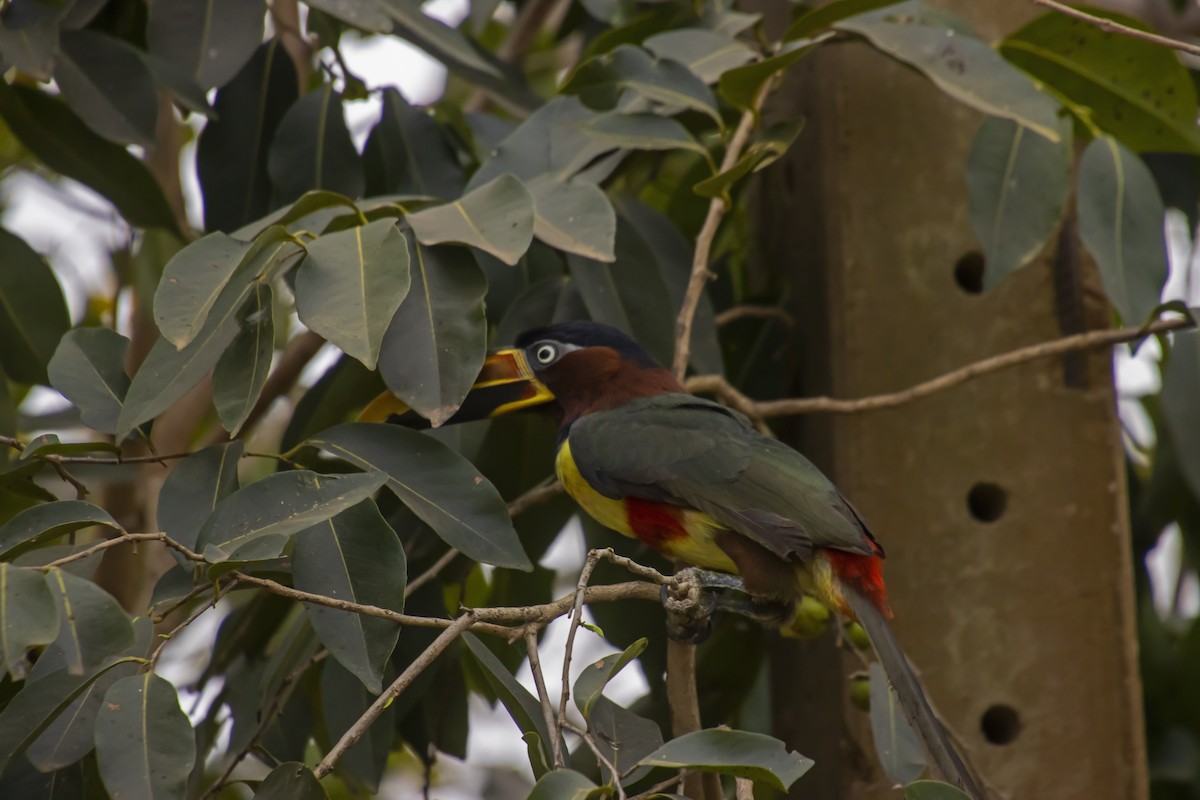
x=577, y=367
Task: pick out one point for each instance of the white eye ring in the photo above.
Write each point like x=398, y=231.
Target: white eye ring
x=545, y=353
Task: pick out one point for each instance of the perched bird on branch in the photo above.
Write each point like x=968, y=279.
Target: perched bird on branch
x=696, y=482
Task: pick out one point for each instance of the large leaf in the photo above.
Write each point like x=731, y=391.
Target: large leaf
x=28, y=615
x=167, y=374
x=574, y=217
x=144, y=743
x=552, y=140
x=408, y=153
x=440, y=486
x=312, y=149
x=231, y=155
x=69, y=735
x=194, y=488
x=88, y=368
x=435, y=37
x=92, y=625
x=191, y=283
x=354, y=556
x=667, y=83
x=291, y=780
x=60, y=139
x=591, y=682
x=960, y=65
x=496, y=217
x=33, y=315
x=705, y=52
x=1138, y=91
x=350, y=284
x=108, y=85
x=522, y=706
x=624, y=738
x=41, y=523
x=899, y=750
x=29, y=38
x=563, y=784
x=740, y=86
x=760, y=758
x=1018, y=184
x=640, y=132
x=434, y=348
x=1121, y=225
x=343, y=701
x=280, y=505
x=1181, y=387
x=819, y=19
x=209, y=41
x=367, y=15
x=241, y=371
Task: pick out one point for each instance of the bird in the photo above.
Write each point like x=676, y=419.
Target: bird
x=695, y=481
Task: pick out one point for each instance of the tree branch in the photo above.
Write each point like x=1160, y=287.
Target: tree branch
x=427, y=657
x=1112, y=26
x=760, y=410
x=708, y=232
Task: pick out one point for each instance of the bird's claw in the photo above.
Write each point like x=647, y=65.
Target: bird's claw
x=689, y=606
x=696, y=593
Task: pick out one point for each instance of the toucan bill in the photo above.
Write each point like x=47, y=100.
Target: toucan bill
x=505, y=384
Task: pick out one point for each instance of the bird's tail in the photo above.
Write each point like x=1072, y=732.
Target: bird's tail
x=912, y=696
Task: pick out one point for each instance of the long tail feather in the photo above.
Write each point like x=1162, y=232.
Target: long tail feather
x=912, y=696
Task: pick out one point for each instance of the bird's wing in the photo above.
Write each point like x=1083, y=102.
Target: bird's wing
x=683, y=450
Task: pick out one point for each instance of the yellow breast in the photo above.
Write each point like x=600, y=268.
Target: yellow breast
x=696, y=546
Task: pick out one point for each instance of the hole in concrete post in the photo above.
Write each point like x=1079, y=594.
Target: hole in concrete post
x=987, y=501
x=1000, y=724
x=968, y=272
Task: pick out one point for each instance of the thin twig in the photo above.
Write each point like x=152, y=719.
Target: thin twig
x=539, y=680
x=1111, y=26
x=708, y=232
x=661, y=786
x=122, y=538
x=717, y=385
x=164, y=638
x=603, y=759
x=427, y=657
x=538, y=494
x=431, y=573
x=281, y=697
x=750, y=311
x=585, y=575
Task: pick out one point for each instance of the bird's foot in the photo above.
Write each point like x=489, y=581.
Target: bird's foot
x=689, y=606
x=708, y=579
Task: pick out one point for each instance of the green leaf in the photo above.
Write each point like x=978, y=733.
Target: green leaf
x=933, y=790
x=350, y=284
x=960, y=65
x=562, y=784
x=1137, y=91
x=1018, y=184
x=408, y=153
x=65, y=144
x=1121, y=225
x=241, y=371
x=575, y=217
x=343, y=701
x=92, y=625
x=624, y=738
x=354, y=556
x=640, y=132
x=820, y=19
x=760, y=758
x=282, y=504
x=665, y=82
x=167, y=374
x=552, y=140
x=209, y=41
x=28, y=616
x=366, y=15
x=38, y=704
x=88, y=368
x=194, y=489
x=144, y=742
x=290, y=781
x=434, y=348
x=440, y=486
x=29, y=38
x=496, y=217
x=31, y=527
x=740, y=86
x=108, y=85
x=435, y=37
x=706, y=53
x=899, y=750
x=231, y=154
x=33, y=315
x=522, y=706
x=191, y=283
x=768, y=148
x=312, y=149
x=591, y=682
x=1181, y=387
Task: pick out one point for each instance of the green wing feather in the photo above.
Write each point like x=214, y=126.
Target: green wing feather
x=683, y=450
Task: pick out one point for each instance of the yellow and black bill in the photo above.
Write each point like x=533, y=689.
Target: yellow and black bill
x=505, y=384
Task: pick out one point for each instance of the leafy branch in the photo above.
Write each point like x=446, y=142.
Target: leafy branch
x=1112, y=26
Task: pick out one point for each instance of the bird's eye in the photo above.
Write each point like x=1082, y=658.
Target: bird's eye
x=546, y=353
